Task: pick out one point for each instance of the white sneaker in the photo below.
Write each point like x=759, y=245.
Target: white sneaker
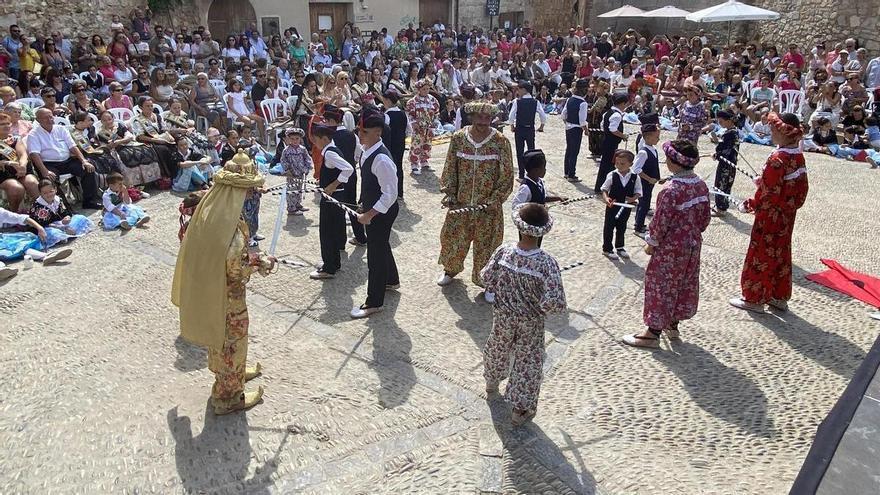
x=357, y=313
x=416, y=171
x=7, y=273
x=489, y=297
x=55, y=256
x=739, y=302
x=444, y=279
x=622, y=253
x=610, y=255
x=145, y=195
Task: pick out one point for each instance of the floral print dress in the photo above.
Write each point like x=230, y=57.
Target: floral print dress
x=672, y=279
x=474, y=174
x=527, y=286
x=421, y=112
x=693, y=119
x=782, y=190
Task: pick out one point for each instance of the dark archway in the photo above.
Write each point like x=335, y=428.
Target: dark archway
x=229, y=16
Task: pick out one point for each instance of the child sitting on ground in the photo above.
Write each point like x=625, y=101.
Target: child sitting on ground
x=824, y=138
x=118, y=210
x=194, y=168
x=760, y=133
x=296, y=163
x=15, y=245
x=527, y=283
x=49, y=211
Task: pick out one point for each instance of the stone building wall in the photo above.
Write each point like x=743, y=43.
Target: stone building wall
x=805, y=20
x=473, y=12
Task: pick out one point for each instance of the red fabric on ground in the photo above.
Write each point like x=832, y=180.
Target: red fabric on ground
x=863, y=287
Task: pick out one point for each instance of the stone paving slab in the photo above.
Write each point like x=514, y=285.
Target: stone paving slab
x=106, y=398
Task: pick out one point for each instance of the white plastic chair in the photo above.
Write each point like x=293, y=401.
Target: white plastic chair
x=869, y=105
x=747, y=90
x=282, y=93
x=82, y=75
x=348, y=121
x=291, y=102
x=220, y=86
x=61, y=121
x=272, y=109
x=32, y=103
x=121, y=114
x=790, y=101
x=286, y=84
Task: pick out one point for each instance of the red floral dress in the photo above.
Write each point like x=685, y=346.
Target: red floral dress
x=782, y=190
x=421, y=112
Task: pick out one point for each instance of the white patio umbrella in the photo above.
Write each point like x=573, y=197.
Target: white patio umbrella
x=732, y=10
x=625, y=11
x=668, y=12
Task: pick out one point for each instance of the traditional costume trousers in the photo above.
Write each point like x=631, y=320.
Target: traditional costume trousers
x=520, y=339
x=295, y=188
x=644, y=205
x=331, y=230
x=380, y=260
x=420, y=146
x=767, y=270
x=614, y=228
x=485, y=228
x=228, y=363
x=609, y=146
x=525, y=140
x=573, y=139
x=724, y=176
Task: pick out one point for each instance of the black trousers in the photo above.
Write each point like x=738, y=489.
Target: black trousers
x=350, y=193
x=573, y=139
x=644, y=205
x=609, y=146
x=724, y=176
x=331, y=230
x=523, y=137
x=614, y=228
x=397, y=151
x=87, y=180
x=380, y=260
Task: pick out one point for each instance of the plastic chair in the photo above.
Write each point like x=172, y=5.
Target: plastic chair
x=82, y=75
x=272, y=109
x=291, y=103
x=282, y=92
x=790, y=101
x=121, y=114
x=32, y=103
x=286, y=84
x=220, y=86
x=747, y=90
x=61, y=121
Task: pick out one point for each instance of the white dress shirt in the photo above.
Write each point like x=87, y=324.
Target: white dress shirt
x=540, y=109
x=52, y=146
x=524, y=194
x=624, y=179
x=615, y=119
x=582, y=114
x=642, y=157
x=385, y=170
x=11, y=218
x=334, y=160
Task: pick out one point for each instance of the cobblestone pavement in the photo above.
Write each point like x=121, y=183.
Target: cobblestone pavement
x=101, y=396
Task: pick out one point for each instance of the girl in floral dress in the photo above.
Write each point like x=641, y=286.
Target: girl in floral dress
x=672, y=279
x=527, y=282
x=421, y=112
x=693, y=116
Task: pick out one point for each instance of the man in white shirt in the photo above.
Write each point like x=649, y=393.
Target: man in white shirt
x=481, y=78
x=379, y=201
x=321, y=57
x=137, y=47
x=872, y=73
x=53, y=152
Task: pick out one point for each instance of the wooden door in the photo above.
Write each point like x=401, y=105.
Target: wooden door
x=229, y=16
x=430, y=11
x=515, y=19
x=334, y=15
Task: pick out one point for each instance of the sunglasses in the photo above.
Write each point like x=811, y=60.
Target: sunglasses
x=116, y=90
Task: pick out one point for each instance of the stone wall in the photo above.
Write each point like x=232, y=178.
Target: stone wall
x=805, y=20
x=473, y=12
x=73, y=17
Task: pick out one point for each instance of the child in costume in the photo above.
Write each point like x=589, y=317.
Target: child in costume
x=296, y=163
x=333, y=178
x=726, y=152
x=647, y=167
x=620, y=186
x=527, y=283
x=118, y=209
x=194, y=169
x=674, y=241
x=16, y=245
x=612, y=127
x=49, y=211
x=532, y=188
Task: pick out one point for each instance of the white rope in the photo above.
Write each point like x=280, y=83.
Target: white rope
x=468, y=209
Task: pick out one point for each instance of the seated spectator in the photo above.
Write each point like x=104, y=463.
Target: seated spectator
x=97, y=87
x=16, y=176
x=117, y=98
x=853, y=92
x=51, y=103
x=823, y=137
x=81, y=101
x=149, y=128
x=856, y=118
x=124, y=74
x=206, y=102
x=53, y=152
x=19, y=126
x=140, y=164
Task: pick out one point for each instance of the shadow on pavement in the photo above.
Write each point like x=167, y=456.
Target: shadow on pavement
x=475, y=318
x=723, y=392
x=190, y=357
x=391, y=355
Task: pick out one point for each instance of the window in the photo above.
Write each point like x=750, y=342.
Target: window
x=271, y=25
x=325, y=22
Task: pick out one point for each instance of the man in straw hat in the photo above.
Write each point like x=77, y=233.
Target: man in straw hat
x=478, y=171
x=213, y=268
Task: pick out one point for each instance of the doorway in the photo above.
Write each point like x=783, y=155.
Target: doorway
x=510, y=20
x=330, y=17
x=430, y=11
x=230, y=16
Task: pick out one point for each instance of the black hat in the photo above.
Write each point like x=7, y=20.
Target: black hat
x=619, y=98
x=392, y=95
x=525, y=85
x=649, y=118
x=534, y=159
x=323, y=130
x=333, y=113
x=582, y=84
x=372, y=117
x=724, y=114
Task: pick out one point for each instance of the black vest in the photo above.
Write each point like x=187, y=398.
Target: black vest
x=572, y=110
x=394, y=134
x=611, y=139
x=618, y=192
x=652, y=164
x=328, y=175
x=538, y=194
x=346, y=142
x=371, y=191
x=525, y=112
x=464, y=117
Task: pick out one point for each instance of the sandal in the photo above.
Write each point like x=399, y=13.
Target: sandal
x=635, y=340
x=672, y=332
x=247, y=401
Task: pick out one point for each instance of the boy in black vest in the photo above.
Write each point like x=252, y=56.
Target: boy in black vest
x=335, y=172
x=620, y=186
x=394, y=134
x=468, y=94
x=726, y=152
x=350, y=146
x=522, y=120
x=612, y=128
x=647, y=167
x=574, y=114
x=532, y=189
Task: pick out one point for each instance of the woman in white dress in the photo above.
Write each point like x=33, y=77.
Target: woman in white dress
x=238, y=111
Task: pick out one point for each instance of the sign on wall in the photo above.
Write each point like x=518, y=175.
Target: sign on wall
x=493, y=7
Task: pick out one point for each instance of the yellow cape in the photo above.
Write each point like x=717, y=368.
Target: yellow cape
x=199, y=287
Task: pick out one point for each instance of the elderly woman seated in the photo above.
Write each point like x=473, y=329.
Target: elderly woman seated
x=16, y=178
x=19, y=126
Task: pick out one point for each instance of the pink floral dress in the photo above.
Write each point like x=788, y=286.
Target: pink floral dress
x=672, y=280
x=421, y=112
